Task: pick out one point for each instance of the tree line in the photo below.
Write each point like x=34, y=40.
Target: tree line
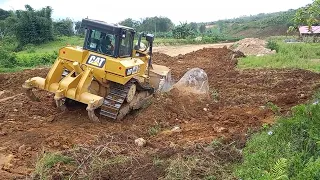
x=31, y=26
x=163, y=26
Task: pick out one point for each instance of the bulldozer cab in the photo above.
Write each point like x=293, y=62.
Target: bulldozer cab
x=108, y=39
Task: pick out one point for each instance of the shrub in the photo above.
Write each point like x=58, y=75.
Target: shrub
x=33, y=59
x=7, y=59
x=273, y=45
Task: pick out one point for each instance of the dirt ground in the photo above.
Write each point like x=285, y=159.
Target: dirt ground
x=237, y=104
x=184, y=49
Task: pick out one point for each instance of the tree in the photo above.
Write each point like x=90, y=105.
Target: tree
x=156, y=24
x=194, y=26
x=182, y=31
x=202, y=28
x=308, y=15
x=4, y=14
x=79, y=29
x=130, y=23
x=149, y=24
x=7, y=26
x=34, y=26
x=63, y=27
x=221, y=26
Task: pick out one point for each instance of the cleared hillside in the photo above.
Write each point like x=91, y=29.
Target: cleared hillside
x=261, y=25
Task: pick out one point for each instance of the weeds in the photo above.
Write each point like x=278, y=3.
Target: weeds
x=265, y=126
x=291, y=152
x=48, y=161
x=274, y=108
x=154, y=130
x=217, y=142
x=181, y=167
x=215, y=95
x=204, y=162
x=158, y=162
x=273, y=45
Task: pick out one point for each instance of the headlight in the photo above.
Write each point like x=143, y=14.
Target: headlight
x=135, y=69
x=132, y=70
x=129, y=71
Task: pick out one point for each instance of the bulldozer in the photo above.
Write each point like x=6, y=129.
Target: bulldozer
x=111, y=74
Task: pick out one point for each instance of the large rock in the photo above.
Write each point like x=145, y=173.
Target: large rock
x=140, y=142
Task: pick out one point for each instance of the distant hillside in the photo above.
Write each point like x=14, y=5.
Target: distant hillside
x=261, y=25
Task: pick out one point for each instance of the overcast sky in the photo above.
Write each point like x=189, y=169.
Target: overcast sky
x=114, y=11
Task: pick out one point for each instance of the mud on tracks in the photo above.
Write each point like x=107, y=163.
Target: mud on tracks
x=236, y=103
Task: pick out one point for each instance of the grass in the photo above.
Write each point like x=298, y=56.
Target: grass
x=213, y=162
x=290, y=55
x=47, y=161
x=154, y=130
x=52, y=46
x=288, y=150
x=9, y=70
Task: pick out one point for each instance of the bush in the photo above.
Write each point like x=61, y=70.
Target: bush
x=33, y=59
x=210, y=39
x=7, y=59
x=273, y=45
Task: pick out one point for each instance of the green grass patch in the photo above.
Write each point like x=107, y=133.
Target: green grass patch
x=52, y=46
x=288, y=150
x=47, y=161
x=289, y=55
x=35, y=55
x=14, y=69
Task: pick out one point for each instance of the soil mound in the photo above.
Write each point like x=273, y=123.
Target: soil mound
x=252, y=46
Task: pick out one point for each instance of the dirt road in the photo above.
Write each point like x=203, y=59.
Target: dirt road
x=238, y=102
x=184, y=49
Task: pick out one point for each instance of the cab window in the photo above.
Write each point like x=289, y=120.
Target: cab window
x=100, y=42
x=125, y=49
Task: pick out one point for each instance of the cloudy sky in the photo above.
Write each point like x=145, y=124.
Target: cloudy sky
x=114, y=11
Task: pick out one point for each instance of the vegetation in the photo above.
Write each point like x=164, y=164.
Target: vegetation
x=182, y=31
x=255, y=25
x=30, y=37
x=150, y=24
x=289, y=55
x=33, y=26
x=63, y=27
x=33, y=55
x=46, y=163
x=288, y=150
x=308, y=15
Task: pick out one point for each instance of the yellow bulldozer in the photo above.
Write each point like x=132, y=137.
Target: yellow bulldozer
x=111, y=74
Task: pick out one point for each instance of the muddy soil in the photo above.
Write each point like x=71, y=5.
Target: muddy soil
x=236, y=104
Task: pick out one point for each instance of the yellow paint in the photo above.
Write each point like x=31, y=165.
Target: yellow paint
x=76, y=84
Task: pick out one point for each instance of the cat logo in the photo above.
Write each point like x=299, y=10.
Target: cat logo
x=96, y=61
